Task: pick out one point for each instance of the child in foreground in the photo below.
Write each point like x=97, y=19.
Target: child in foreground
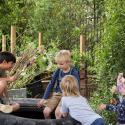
x=119, y=108
x=7, y=61
x=117, y=89
x=63, y=60
x=120, y=82
x=76, y=106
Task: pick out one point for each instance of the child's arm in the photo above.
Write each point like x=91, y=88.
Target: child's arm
x=48, y=89
x=108, y=107
x=102, y=107
x=50, y=85
x=64, y=109
x=64, y=114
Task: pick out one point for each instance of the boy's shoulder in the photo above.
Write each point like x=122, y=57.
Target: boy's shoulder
x=56, y=72
x=74, y=69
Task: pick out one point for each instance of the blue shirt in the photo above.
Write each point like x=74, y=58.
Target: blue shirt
x=56, y=79
x=119, y=108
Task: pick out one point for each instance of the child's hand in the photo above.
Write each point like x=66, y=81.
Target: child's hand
x=113, y=89
x=102, y=107
x=41, y=102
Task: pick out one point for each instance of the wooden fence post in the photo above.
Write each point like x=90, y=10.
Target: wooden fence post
x=83, y=71
x=82, y=43
x=13, y=39
x=40, y=39
x=40, y=46
x=3, y=42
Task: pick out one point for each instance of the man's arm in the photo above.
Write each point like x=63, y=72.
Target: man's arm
x=3, y=86
x=8, y=79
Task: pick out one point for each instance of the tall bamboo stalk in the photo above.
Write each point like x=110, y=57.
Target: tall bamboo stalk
x=13, y=39
x=40, y=46
x=3, y=42
x=82, y=43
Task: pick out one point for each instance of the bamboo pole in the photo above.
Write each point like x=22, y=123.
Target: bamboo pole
x=82, y=43
x=83, y=72
x=3, y=42
x=40, y=46
x=40, y=39
x=13, y=39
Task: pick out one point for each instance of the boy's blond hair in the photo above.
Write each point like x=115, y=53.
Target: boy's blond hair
x=69, y=86
x=63, y=55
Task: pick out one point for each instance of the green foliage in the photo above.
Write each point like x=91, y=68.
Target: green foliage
x=13, y=12
x=79, y=59
x=103, y=95
x=48, y=58
x=60, y=20
x=109, y=53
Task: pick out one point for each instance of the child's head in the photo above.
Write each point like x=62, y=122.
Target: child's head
x=7, y=60
x=63, y=59
x=120, y=75
x=69, y=86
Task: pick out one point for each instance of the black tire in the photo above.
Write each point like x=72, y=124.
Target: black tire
x=8, y=119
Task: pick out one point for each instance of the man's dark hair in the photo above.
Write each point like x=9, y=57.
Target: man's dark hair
x=7, y=56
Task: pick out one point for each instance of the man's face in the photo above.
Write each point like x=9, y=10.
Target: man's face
x=7, y=65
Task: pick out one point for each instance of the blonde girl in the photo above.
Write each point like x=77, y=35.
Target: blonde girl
x=76, y=106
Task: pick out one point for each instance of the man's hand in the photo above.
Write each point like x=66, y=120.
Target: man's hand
x=11, y=78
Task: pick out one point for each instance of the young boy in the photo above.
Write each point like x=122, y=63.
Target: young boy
x=63, y=60
x=7, y=61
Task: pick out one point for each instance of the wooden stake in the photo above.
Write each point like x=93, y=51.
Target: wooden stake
x=13, y=39
x=40, y=39
x=83, y=72
x=40, y=43
x=82, y=43
x=3, y=43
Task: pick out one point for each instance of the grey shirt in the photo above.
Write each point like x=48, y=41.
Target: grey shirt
x=79, y=109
